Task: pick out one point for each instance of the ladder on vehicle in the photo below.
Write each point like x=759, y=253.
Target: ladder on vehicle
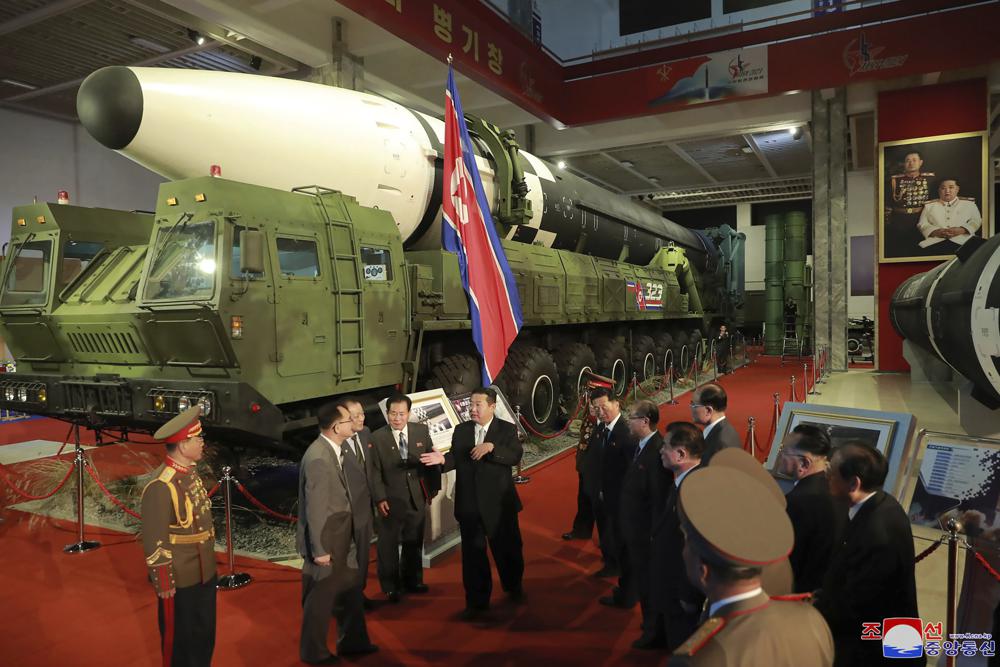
x=348, y=300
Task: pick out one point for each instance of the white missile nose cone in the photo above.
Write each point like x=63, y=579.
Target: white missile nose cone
x=109, y=105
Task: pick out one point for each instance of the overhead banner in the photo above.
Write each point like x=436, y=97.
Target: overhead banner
x=718, y=76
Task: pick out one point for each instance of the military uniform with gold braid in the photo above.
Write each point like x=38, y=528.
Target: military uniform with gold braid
x=908, y=196
x=731, y=520
x=178, y=538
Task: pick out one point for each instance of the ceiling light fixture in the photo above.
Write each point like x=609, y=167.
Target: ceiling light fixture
x=256, y=62
x=628, y=164
x=196, y=37
x=561, y=164
x=19, y=84
x=148, y=44
x=796, y=132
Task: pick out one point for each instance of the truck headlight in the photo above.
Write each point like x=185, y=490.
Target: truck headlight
x=159, y=404
x=22, y=394
x=9, y=394
x=43, y=396
x=183, y=403
x=206, y=405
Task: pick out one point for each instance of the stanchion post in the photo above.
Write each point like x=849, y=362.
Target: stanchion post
x=234, y=579
x=805, y=383
x=753, y=437
x=815, y=392
x=670, y=376
x=697, y=363
x=518, y=477
x=953, y=526
x=79, y=461
x=714, y=353
x=792, y=383
x=635, y=387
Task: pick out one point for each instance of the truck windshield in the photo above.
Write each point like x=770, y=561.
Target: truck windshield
x=184, y=265
x=27, y=278
x=76, y=258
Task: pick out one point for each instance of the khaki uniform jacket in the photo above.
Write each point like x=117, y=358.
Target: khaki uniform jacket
x=178, y=536
x=759, y=631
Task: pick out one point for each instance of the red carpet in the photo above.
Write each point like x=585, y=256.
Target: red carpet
x=97, y=609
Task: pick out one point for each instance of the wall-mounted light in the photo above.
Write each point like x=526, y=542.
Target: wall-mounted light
x=196, y=37
x=561, y=164
x=796, y=132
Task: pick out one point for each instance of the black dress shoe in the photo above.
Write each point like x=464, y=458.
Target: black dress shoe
x=369, y=604
x=393, y=597
x=417, y=588
x=608, y=572
x=364, y=650
x=612, y=601
x=329, y=660
x=574, y=536
x=473, y=613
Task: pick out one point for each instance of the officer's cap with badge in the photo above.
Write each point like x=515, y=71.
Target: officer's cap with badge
x=184, y=426
x=747, y=463
x=731, y=519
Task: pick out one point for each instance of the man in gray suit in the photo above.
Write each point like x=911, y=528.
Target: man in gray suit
x=403, y=486
x=334, y=520
x=359, y=447
x=708, y=410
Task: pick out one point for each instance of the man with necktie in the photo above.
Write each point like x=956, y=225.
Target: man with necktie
x=357, y=445
x=402, y=489
x=483, y=454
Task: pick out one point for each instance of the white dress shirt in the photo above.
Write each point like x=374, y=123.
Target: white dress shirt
x=337, y=449
x=851, y=513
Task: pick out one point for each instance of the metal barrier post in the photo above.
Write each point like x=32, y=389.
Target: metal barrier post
x=814, y=391
x=670, y=376
x=753, y=436
x=697, y=364
x=518, y=477
x=715, y=361
x=792, y=383
x=234, y=579
x=953, y=526
x=635, y=387
x=81, y=544
x=805, y=383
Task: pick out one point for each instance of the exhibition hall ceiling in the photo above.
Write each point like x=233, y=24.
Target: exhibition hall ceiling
x=48, y=47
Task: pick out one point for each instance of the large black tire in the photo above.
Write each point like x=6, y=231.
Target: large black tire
x=694, y=338
x=456, y=374
x=571, y=361
x=612, y=362
x=682, y=354
x=643, y=357
x=663, y=342
x=529, y=378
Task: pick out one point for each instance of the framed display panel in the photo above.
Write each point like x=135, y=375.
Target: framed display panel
x=955, y=476
x=888, y=432
x=913, y=182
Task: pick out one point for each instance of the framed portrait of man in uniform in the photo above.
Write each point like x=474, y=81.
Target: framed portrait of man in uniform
x=933, y=196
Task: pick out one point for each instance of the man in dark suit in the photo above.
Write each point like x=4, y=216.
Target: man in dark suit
x=871, y=574
x=817, y=518
x=331, y=536
x=674, y=601
x=401, y=491
x=708, y=409
x=583, y=522
x=483, y=454
x=644, y=491
x=357, y=445
x=606, y=463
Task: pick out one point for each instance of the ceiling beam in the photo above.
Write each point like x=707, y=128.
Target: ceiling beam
x=40, y=14
x=752, y=143
x=632, y=170
x=583, y=174
x=156, y=60
x=682, y=154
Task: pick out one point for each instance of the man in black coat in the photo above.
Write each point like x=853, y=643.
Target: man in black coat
x=708, y=409
x=675, y=603
x=817, y=518
x=583, y=522
x=871, y=575
x=483, y=453
x=357, y=445
x=644, y=491
x=401, y=490
x=605, y=465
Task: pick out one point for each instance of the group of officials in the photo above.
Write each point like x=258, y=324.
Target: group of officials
x=725, y=568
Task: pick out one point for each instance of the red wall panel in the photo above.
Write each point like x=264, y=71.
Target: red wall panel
x=909, y=114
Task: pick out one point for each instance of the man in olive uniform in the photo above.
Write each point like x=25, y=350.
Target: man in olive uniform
x=908, y=192
x=733, y=527
x=179, y=542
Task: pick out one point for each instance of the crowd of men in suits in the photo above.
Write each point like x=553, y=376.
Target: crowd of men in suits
x=849, y=559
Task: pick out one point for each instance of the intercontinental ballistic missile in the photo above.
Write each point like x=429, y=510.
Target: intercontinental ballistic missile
x=282, y=133
x=953, y=312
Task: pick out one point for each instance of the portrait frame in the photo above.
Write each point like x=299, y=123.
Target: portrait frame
x=962, y=156
x=433, y=409
x=889, y=432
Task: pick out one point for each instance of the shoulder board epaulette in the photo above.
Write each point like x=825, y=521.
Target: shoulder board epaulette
x=165, y=476
x=927, y=173
x=793, y=597
x=700, y=637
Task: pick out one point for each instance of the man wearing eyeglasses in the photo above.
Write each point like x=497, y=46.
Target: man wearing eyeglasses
x=817, y=518
x=708, y=410
x=644, y=491
x=334, y=515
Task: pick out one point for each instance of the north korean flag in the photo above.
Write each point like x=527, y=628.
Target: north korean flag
x=467, y=230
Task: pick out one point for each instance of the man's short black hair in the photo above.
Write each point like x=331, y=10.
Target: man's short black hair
x=329, y=413
x=648, y=410
x=949, y=178
x=489, y=392
x=599, y=392
x=813, y=439
x=861, y=460
x=713, y=396
x=917, y=153
x=686, y=435
x=399, y=397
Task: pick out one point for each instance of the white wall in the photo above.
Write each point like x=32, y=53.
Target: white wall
x=860, y=222
x=41, y=156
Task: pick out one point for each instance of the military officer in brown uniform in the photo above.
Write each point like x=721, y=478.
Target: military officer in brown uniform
x=179, y=541
x=733, y=527
x=908, y=192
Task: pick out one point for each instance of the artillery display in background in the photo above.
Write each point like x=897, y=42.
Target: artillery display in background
x=261, y=302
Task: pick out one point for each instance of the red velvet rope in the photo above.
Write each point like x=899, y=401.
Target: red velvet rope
x=214, y=490
x=985, y=563
x=927, y=552
x=549, y=436
x=111, y=496
x=261, y=506
x=25, y=494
